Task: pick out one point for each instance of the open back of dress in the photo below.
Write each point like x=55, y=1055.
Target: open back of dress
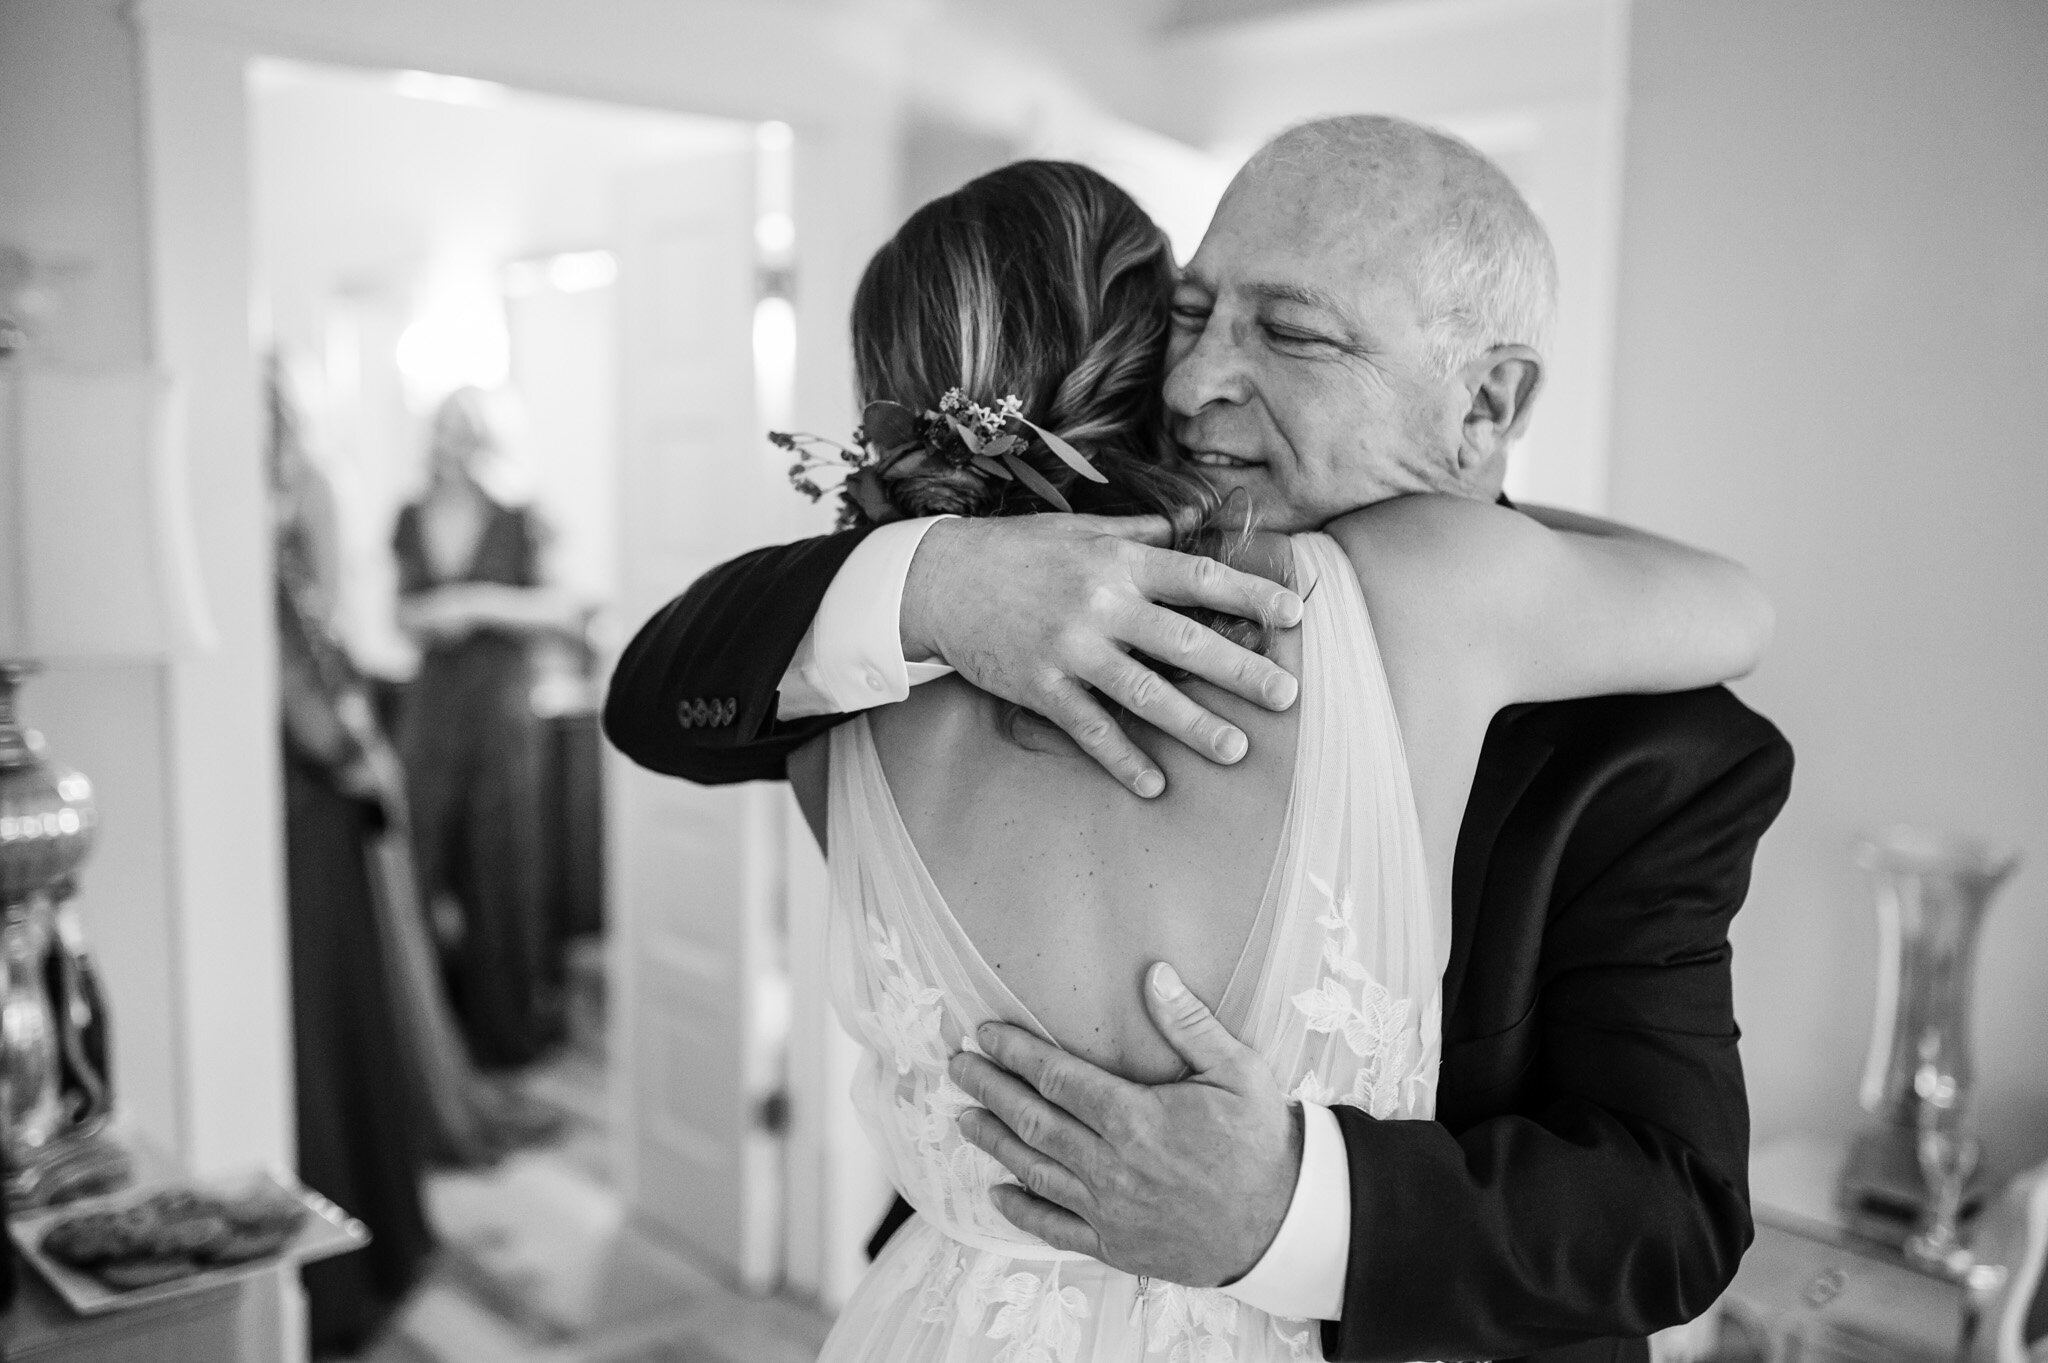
x=1340, y=990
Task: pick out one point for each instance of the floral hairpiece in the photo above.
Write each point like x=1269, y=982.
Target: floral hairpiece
x=892, y=442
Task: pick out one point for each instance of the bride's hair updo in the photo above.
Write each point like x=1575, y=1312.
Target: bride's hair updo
x=1046, y=281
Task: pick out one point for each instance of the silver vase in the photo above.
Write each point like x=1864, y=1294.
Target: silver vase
x=1916, y=1154
x=54, y=1094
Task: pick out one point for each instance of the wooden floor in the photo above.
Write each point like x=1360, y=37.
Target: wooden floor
x=539, y=1264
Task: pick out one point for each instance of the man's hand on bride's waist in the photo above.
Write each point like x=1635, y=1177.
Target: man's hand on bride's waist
x=1188, y=1181
x=1039, y=609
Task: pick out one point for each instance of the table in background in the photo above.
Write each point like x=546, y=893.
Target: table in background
x=237, y=1322
x=1811, y=1290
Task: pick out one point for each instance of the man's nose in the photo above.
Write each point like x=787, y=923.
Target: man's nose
x=1206, y=368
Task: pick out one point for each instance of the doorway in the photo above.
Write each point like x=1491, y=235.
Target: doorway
x=604, y=291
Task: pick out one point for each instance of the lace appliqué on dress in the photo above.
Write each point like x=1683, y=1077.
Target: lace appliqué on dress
x=909, y=1012
x=909, y=1020
x=1189, y=1324
x=1372, y=1021
x=1040, y=1318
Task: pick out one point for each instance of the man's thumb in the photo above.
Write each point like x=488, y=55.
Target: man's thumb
x=1186, y=1022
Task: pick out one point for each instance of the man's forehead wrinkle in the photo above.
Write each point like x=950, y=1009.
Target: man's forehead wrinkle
x=1351, y=200
x=1375, y=158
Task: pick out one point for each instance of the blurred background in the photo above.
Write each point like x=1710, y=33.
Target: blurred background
x=455, y=327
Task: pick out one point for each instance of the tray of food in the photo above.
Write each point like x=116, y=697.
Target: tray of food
x=162, y=1240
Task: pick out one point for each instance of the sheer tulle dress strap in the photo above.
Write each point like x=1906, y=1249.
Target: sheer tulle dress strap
x=1346, y=1007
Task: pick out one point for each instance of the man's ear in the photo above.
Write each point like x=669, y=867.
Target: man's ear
x=1503, y=384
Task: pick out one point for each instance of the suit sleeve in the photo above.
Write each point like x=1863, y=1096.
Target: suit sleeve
x=694, y=694
x=1614, y=1200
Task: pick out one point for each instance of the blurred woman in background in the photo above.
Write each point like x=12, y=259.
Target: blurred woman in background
x=362, y=1139
x=471, y=596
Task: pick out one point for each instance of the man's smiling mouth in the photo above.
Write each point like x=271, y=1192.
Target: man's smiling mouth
x=1216, y=459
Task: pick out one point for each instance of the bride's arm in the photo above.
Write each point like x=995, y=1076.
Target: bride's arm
x=1551, y=605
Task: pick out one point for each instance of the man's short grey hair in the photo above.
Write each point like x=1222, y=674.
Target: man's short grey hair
x=1485, y=273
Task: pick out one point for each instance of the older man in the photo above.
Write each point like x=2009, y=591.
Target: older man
x=1364, y=319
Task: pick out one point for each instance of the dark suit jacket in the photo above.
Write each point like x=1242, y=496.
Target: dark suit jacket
x=1584, y=1183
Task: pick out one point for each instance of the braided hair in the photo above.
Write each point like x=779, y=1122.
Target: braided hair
x=1043, y=280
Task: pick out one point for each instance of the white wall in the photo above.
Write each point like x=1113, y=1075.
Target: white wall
x=228, y=958
x=71, y=186
x=1833, y=307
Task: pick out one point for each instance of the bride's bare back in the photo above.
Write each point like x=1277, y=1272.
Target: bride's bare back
x=1067, y=885
x=1070, y=888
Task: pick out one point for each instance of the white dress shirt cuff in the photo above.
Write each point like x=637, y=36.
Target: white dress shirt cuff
x=851, y=657
x=1301, y=1274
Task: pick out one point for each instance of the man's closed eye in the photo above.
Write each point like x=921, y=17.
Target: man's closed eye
x=1296, y=339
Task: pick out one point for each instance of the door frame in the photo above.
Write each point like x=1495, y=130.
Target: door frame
x=233, y=1100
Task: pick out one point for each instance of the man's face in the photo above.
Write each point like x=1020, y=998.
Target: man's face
x=1298, y=369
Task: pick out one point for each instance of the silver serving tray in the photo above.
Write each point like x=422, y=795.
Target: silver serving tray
x=328, y=1231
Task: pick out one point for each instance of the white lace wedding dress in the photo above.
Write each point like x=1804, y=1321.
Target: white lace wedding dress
x=1338, y=988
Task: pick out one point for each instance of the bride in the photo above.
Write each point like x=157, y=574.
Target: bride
x=1009, y=341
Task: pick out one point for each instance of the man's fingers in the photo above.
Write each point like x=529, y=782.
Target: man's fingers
x=1046, y=1178
x=1040, y=1124
x=1067, y=703
x=1166, y=707
x=1056, y=1226
x=1194, y=580
x=1154, y=530
x=1191, y=646
x=1073, y=1086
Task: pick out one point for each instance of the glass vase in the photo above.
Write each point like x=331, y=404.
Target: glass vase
x=1932, y=892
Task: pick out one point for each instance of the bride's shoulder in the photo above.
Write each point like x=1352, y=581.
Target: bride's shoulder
x=1427, y=533
x=913, y=737
x=1432, y=512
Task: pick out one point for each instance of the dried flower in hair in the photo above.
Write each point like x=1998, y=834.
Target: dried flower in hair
x=954, y=457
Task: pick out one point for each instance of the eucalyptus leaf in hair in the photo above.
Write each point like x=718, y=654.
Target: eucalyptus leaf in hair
x=1035, y=480
x=1073, y=458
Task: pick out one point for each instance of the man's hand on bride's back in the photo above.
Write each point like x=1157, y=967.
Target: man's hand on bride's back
x=1187, y=1181
x=1038, y=609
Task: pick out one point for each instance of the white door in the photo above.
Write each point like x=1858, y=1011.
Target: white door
x=697, y=871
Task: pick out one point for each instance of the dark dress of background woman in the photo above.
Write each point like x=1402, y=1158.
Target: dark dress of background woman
x=474, y=758
x=360, y=1140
